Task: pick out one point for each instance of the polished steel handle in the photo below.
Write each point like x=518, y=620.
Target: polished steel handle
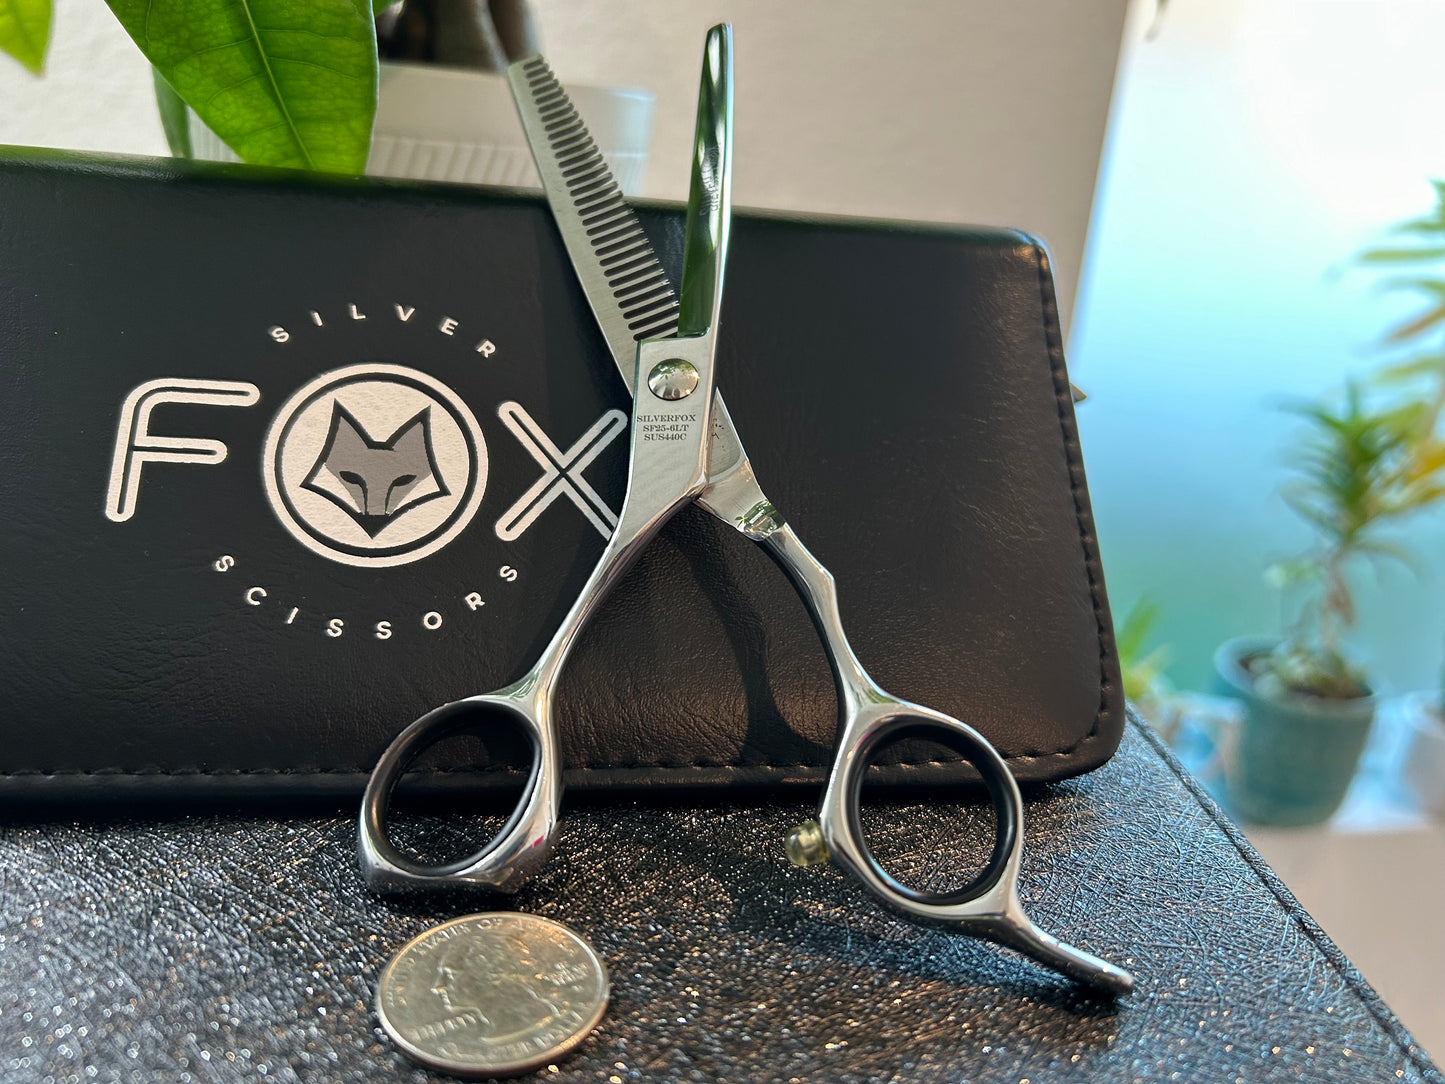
x=526, y=841
x=514, y=853
x=662, y=477
x=989, y=905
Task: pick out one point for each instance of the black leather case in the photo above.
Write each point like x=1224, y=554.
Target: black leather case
x=195, y=599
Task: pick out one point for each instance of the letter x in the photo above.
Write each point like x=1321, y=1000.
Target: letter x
x=561, y=471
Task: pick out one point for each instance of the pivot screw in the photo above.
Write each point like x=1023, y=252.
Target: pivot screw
x=673, y=379
x=805, y=845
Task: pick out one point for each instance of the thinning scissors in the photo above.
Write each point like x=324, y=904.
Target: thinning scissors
x=685, y=449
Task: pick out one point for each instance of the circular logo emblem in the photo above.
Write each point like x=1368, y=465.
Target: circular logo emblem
x=375, y=465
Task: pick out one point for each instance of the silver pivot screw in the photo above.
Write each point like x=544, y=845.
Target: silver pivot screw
x=673, y=379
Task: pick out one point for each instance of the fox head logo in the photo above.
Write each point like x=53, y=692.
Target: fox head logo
x=375, y=481
x=374, y=465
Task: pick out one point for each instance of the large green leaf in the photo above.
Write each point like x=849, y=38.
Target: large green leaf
x=25, y=31
x=283, y=82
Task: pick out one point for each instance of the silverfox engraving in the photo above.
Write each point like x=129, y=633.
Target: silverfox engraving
x=376, y=481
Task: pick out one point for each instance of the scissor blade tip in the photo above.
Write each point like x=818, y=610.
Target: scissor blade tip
x=1122, y=986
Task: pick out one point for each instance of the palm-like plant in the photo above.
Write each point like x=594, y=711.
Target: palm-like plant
x=1417, y=246
x=1359, y=471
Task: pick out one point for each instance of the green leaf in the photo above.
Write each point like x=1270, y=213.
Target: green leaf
x=1414, y=369
x=378, y=6
x=1393, y=550
x=1283, y=574
x=1429, y=286
x=175, y=120
x=1423, y=496
x=1140, y=671
x=1135, y=628
x=1142, y=677
x=282, y=82
x=1418, y=326
x=1401, y=255
x=25, y=31
x=1426, y=226
x=1428, y=459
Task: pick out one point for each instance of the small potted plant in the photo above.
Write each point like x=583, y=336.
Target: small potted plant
x=1307, y=706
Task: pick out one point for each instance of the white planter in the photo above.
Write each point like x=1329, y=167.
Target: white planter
x=1424, y=767
x=447, y=124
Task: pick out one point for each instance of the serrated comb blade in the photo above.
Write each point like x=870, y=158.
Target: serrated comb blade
x=625, y=284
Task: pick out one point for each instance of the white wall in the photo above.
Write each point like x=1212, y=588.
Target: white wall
x=96, y=94
x=938, y=110
x=969, y=111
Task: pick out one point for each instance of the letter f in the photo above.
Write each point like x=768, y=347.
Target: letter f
x=136, y=445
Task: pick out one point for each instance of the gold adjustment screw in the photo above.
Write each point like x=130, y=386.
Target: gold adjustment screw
x=805, y=845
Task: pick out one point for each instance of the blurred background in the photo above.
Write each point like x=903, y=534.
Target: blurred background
x=1256, y=148
x=1209, y=176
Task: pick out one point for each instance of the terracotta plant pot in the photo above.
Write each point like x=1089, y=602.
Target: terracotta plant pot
x=1424, y=767
x=446, y=124
x=1295, y=755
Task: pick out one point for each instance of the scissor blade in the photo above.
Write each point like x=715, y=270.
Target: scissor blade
x=628, y=290
x=709, y=204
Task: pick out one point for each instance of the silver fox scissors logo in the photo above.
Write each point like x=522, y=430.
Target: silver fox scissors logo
x=369, y=464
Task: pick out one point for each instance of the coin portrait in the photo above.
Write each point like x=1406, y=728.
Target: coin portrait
x=492, y=994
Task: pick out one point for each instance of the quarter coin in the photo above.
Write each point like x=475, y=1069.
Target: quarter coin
x=492, y=994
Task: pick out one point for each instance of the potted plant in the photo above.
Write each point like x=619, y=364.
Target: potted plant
x=1307, y=707
x=299, y=83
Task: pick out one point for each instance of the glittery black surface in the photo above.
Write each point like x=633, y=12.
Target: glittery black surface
x=223, y=948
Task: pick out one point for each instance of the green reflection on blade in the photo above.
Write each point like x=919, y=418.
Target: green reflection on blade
x=708, y=206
